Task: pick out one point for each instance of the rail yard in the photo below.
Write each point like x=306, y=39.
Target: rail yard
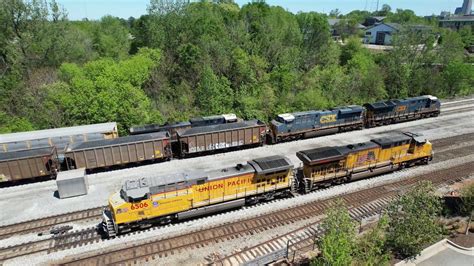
x=32, y=209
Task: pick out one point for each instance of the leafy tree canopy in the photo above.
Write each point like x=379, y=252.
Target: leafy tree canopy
x=413, y=221
x=105, y=90
x=338, y=242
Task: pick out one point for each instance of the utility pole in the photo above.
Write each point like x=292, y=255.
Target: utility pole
x=378, y=5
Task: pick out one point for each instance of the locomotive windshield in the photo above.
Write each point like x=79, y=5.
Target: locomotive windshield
x=285, y=118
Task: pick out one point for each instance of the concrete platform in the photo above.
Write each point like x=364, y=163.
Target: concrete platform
x=443, y=253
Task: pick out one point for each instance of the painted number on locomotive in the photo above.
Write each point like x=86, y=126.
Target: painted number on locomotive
x=401, y=108
x=327, y=119
x=141, y=205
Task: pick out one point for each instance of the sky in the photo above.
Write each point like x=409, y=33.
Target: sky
x=95, y=9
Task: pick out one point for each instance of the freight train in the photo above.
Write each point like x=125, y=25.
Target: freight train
x=205, y=135
x=146, y=201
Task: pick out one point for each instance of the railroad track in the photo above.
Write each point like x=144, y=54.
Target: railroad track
x=457, y=110
x=49, y=245
x=294, y=242
x=359, y=201
x=46, y=223
x=458, y=102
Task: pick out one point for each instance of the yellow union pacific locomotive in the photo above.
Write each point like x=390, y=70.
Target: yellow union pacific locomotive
x=329, y=165
x=158, y=200
x=145, y=201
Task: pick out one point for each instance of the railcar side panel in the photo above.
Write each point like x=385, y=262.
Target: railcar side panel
x=106, y=156
x=205, y=141
x=19, y=165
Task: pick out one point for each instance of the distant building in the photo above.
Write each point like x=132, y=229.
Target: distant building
x=445, y=14
x=465, y=10
x=457, y=22
x=333, y=23
x=371, y=21
x=381, y=34
x=442, y=15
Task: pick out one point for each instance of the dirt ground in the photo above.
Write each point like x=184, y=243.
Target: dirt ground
x=463, y=240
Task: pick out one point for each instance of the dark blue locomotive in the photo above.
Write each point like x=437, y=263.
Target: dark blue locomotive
x=393, y=111
x=298, y=125
x=312, y=123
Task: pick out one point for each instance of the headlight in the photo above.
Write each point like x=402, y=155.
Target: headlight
x=122, y=210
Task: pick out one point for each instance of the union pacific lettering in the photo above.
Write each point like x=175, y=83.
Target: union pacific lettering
x=210, y=187
x=238, y=182
x=233, y=183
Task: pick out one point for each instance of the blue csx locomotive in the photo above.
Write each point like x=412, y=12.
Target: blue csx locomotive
x=298, y=125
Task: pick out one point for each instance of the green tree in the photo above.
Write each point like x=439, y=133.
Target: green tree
x=334, y=13
x=105, y=90
x=404, y=16
x=358, y=15
x=274, y=32
x=348, y=27
x=316, y=38
x=404, y=66
x=458, y=79
x=451, y=47
x=386, y=10
x=467, y=36
x=467, y=196
x=214, y=95
x=365, y=82
x=10, y=124
x=163, y=7
x=353, y=46
x=338, y=242
x=371, y=246
x=413, y=221
x=111, y=38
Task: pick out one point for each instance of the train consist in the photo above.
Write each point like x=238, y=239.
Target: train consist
x=207, y=134
x=163, y=199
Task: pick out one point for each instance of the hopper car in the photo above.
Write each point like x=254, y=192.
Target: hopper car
x=146, y=201
x=34, y=163
x=120, y=151
x=198, y=140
